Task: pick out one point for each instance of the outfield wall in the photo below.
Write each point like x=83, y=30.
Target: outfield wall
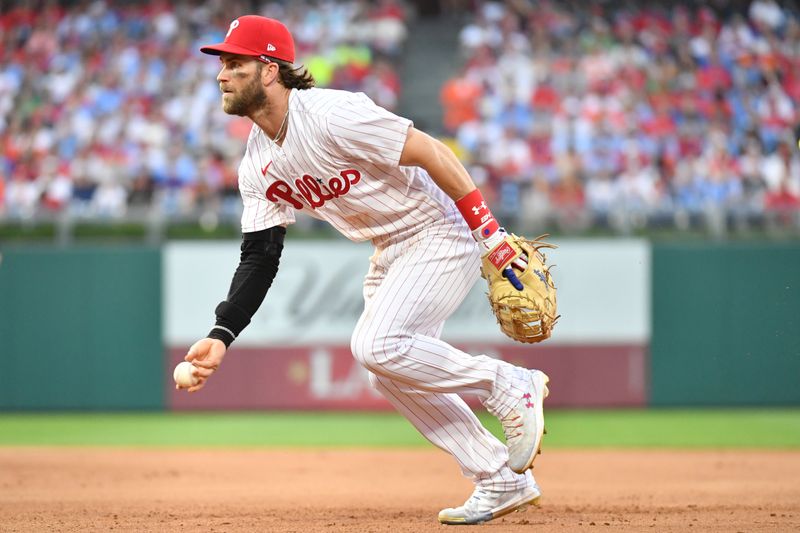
x=727, y=324
x=670, y=324
x=81, y=328
x=296, y=352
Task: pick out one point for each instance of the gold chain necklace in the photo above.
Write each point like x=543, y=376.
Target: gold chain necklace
x=283, y=123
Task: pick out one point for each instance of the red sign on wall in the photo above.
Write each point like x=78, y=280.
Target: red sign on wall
x=327, y=377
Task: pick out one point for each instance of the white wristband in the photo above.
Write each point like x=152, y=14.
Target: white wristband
x=223, y=328
x=491, y=241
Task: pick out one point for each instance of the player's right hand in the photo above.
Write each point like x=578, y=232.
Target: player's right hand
x=206, y=355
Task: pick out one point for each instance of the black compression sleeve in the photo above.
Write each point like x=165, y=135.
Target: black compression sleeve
x=258, y=264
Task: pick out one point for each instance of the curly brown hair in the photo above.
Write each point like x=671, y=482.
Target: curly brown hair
x=294, y=77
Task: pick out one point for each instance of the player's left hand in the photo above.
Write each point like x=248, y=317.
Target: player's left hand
x=206, y=355
x=521, y=290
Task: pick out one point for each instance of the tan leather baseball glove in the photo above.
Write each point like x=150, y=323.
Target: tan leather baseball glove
x=523, y=298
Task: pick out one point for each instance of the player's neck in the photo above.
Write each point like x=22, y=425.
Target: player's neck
x=273, y=119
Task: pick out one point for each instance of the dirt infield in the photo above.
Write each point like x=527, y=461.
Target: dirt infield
x=79, y=489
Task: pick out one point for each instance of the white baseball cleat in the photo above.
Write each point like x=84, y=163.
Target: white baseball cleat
x=524, y=425
x=485, y=505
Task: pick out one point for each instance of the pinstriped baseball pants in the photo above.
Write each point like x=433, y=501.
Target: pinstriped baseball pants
x=411, y=288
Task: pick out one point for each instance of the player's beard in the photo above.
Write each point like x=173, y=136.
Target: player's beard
x=249, y=100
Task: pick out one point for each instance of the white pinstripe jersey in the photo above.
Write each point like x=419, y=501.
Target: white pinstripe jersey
x=339, y=162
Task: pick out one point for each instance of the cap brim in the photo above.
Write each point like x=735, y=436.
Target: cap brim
x=217, y=49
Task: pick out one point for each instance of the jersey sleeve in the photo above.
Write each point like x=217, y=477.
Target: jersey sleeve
x=362, y=130
x=259, y=213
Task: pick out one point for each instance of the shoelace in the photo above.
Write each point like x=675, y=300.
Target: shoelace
x=510, y=429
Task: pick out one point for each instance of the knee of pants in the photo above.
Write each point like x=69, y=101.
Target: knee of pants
x=380, y=383
x=374, y=380
x=377, y=353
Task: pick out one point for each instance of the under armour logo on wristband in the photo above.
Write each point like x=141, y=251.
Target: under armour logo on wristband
x=477, y=208
x=476, y=213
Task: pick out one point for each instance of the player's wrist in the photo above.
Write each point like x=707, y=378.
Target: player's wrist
x=485, y=228
x=476, y=213
x=492, y=241
x=231, y=320
x=223, y=334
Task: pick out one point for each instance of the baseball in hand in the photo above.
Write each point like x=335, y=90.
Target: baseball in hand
x=183, y=374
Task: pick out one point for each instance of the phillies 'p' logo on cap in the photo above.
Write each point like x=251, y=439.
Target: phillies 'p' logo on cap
x=233, y=26
x=252, y=35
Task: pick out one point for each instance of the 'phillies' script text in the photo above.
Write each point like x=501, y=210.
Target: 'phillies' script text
x=314, y=190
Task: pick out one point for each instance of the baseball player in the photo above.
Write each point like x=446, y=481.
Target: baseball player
x=337, y=156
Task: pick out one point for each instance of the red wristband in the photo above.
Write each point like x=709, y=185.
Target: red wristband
x=475, y=211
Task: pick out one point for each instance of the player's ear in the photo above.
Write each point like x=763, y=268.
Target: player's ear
x=270, y=74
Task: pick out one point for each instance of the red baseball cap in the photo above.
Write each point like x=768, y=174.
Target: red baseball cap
x=252, y=35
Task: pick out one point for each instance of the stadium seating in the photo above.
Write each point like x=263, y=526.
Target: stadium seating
x=631, y=114
x=571, y=115
x=108, y=110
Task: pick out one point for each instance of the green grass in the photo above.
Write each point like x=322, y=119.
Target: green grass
x=685, y=428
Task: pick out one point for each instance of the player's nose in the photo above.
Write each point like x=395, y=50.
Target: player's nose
x=223, y=75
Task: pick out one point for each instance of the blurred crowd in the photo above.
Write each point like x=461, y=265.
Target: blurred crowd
x=595, y=108
x=584, y=109
x=107, y=108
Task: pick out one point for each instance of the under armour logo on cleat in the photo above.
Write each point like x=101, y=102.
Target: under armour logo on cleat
x=527, y=396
